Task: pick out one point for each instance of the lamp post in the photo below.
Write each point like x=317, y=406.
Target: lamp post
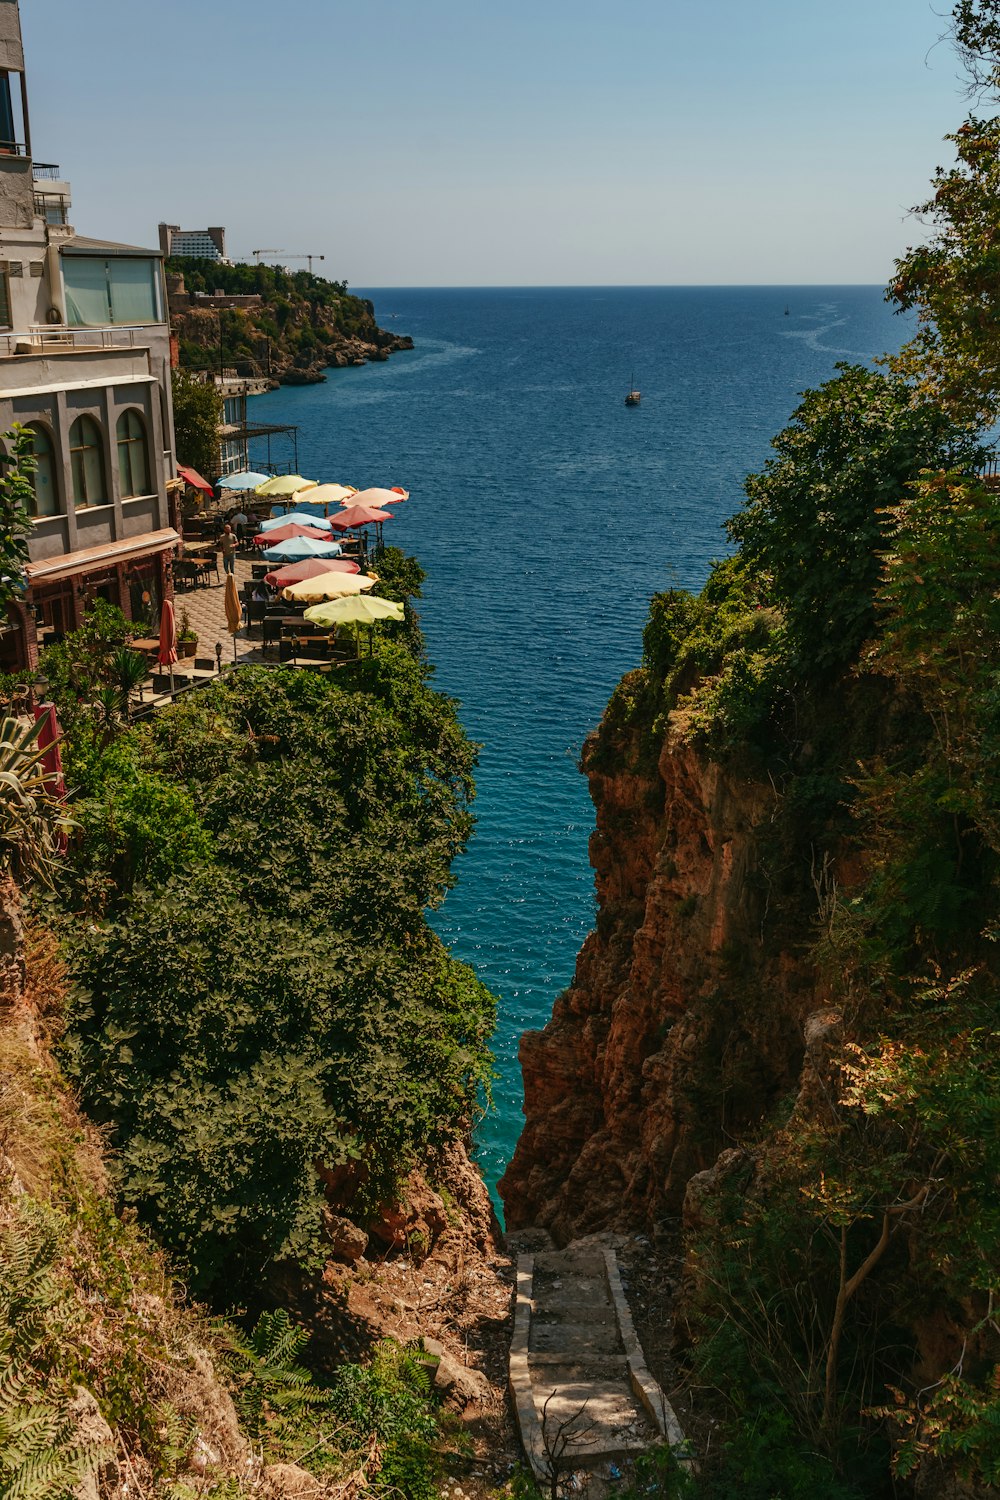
x=218, y=657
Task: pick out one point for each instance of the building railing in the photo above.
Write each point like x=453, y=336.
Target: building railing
x=13, y=148
x=45, y=171
x=51, y=339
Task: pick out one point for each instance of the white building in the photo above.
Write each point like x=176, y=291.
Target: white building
x=85, y=364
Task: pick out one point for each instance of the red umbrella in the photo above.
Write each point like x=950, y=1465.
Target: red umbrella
x=48, y=740
x=358, y=515
x=49, y=736
x=167, y=654
x=285, y=533
x=194, y=479
x=309, y=567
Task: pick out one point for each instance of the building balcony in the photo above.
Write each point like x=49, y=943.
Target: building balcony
x=45, y=171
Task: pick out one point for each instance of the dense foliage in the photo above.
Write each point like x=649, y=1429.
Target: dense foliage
x=259, y=993
x=197, y=415
x=17, y=498
x=301, y=313
x=843, y=1284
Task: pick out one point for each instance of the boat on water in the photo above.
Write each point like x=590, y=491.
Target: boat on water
x=634, y=396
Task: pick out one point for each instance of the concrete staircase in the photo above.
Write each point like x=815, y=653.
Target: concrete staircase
x=582, y=1393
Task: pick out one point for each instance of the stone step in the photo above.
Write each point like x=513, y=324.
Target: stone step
x=570, y=1263
x=595, y=1419
x=573, y=1340
x=572, y=1368
x=567, y=1295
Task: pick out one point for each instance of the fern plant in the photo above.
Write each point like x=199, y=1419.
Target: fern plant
x=274, y=1395
x=41, y=1456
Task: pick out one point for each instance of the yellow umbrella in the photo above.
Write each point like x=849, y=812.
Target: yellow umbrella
x=284, y=485
x=361, y=609
x=326, y=494
x=234, y=615
x=328, y=586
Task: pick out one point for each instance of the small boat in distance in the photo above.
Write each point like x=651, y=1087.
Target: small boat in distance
x=634, y=397
x=786, y=312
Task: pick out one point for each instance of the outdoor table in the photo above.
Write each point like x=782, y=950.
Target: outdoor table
x=145, y=643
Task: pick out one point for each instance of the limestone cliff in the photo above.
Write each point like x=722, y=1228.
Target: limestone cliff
x=660, y=1052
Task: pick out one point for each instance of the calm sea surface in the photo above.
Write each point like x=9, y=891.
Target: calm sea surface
x=546, y=514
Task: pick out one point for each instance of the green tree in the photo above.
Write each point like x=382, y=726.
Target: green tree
x=197, y=418
x=816, y=515
x=951, y=281
x=16, y=498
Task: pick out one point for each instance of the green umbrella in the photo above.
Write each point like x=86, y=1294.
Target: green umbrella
x=360, y=609
x=356, y=609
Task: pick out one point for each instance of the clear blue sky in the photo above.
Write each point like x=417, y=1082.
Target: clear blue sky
x=492, y=142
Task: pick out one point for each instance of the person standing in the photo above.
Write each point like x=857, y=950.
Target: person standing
x=229, y=545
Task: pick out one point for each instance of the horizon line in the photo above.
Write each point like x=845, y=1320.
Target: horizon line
x=613, y=286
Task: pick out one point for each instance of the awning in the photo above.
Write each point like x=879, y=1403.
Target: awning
x=194, y=479
x=89, y=559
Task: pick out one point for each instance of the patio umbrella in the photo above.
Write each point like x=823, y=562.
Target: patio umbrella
x=328, y=586
x=193, y=478
x=234, y=615
x=295, y=518
x=285, y=484
x=322, y=496
x=310, y=567
x=243, y=481
x=167, y=654
x=358, y=515
x=362, y=609
x=298, y=547
x=49, y=736
x=378, y=497
x=285, y=533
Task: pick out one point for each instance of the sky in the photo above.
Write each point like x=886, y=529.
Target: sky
x=505, y=142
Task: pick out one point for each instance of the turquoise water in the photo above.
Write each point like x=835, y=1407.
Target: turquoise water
x=546, y=514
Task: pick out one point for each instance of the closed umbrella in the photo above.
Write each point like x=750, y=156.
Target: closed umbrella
x=328, y=586
x=310, y=567
x=245, y=480
x=285, y=533
x=285, y=484
x=298, y=547
x=167, y=654
x=295, y=518
x=234, y=615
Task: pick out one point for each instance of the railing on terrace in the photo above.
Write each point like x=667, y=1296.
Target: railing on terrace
x=13, y=148
x=45, y=171
x=54, y=340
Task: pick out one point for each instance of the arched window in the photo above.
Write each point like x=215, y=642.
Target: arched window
x=44, y=478
x=86, y=451
x=133, y=454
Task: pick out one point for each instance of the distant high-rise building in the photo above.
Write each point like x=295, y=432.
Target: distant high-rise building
x=193, y=244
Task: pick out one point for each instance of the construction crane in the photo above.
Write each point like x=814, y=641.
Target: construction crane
x=310, y=258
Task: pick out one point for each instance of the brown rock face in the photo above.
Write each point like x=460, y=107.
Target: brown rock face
x=683, y=1023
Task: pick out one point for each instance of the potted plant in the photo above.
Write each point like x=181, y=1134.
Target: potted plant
x=187, y=636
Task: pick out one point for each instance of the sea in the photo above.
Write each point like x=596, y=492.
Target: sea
x=546, y=514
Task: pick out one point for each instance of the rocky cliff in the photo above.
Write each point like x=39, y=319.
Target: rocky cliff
x=683, y=1023
x=272, y=324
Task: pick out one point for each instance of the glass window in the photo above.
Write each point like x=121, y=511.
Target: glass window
x=133, y=291
x=5, y=318
x=116, y=290
x=44, y=478
x=133, y=455
x=86, y=451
